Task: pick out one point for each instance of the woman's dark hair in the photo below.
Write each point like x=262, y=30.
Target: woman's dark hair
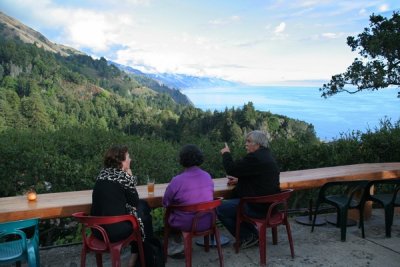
x=114, y=156
x=190, y=155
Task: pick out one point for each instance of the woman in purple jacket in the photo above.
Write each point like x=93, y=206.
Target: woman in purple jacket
x=193, y=185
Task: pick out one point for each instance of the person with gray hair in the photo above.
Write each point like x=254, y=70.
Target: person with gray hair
x=256, y=174
x=258, y=137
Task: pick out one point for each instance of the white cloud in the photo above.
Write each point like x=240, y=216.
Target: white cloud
x=330, y=35
x=235, y=18
x=195, y=55
x=97, y=31
x=309, y=3
x=216, y=22
x=280, y=28
x=78, y=27
x=279, y=32
x=135, y=2
x=383, y=8
x=362, y=11
x=225, y=21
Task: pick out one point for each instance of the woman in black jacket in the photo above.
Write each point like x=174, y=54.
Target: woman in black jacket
x=115, y=194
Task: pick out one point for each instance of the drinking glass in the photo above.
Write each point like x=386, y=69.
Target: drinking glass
x=150, y=185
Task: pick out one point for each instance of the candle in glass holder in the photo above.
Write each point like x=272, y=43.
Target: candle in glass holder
x=31, y=195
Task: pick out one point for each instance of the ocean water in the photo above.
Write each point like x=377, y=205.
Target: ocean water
x=331, y=117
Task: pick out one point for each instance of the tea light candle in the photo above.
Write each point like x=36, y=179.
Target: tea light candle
x=31, y=196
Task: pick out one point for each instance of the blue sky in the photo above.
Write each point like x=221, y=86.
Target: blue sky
x=255, y=42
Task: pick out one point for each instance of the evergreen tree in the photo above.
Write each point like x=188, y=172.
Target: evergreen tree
x=34, y=111
x=379, y=65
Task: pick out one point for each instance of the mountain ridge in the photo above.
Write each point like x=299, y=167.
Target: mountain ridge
x=13, y=29
x=16, y=29
x=179, y=80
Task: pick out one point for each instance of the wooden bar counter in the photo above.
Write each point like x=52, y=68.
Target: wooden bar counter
x=63, y=204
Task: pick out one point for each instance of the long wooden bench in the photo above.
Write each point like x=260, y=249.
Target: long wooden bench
x=57, y=205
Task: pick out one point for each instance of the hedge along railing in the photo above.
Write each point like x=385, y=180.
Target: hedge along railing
x=70, y=159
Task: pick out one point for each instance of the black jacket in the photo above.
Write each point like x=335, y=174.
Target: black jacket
x=257, y=173
x=108, y=199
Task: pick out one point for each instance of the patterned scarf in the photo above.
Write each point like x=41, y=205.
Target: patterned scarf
x=128, y=182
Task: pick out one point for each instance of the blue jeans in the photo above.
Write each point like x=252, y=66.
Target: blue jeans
x=226, y=213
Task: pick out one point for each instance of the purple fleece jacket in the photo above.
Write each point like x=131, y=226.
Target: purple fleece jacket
x=192, y=186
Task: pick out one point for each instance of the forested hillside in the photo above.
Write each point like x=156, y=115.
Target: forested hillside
x=46, y=91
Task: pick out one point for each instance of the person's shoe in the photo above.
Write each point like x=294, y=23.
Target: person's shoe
x=249, y=242
x=175, y=248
